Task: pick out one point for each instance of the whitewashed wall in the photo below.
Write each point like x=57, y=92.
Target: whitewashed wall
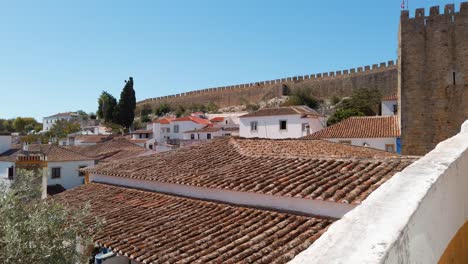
x=268, y=126
x=69, y=173
x=411, y=218
x=377, y=143
x=387, y=107
x=4, y=165
x=5, y=143
x=202, y=135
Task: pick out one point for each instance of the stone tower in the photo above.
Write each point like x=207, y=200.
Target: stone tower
x=432, y=76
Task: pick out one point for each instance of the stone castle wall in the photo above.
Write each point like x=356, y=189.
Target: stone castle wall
x=433, y=76
x=382, y=76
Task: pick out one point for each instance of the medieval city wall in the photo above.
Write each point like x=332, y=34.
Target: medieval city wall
x=341, y=83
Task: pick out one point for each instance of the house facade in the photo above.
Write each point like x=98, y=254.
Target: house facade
x=62, y=164
x=49, y=122
x=379, y=132
x=280, y=123
x=390, y=105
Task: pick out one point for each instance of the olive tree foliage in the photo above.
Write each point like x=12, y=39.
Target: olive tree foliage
x=40, y=231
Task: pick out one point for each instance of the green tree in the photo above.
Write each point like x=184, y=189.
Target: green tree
x=302, y=96
x=145, y=110
x=64, y=127
x=125, y=110
x=24, y=124
x=363, y=102
x=180, y=111
x=212, y=107
x=106, y=106
x=162, y=109
x=40, y=231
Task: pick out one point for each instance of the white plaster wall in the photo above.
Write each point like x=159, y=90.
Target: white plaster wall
x=411, y=218
x=233, y=118
x=202, y=135
x=5, y=143
x=268, y=126
x=49, y=122
x=377, y=143
x=183, y=127
x=69, y=173
x=307, y=206
x=4, y=165
x=387, y=107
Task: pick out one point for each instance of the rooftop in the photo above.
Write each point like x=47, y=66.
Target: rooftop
x=309, y=169
x=53, y=153
x=390, y=97
x=153, y=227
x=361, y=127
x=194, y=119
x=115, y=149
x=287, y=110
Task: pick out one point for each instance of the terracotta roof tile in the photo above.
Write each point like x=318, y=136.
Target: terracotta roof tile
x=217, y=119
x=151, y=227
x=145, y=131
x=54, y=153
x=361, y=127
x=309, y=169
x=206, y=129
x=115, y=149
x=194, y=119
x=287, y=110
x=92, y=138
x=390, y=97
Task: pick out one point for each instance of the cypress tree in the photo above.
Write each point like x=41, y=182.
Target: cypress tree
x=106, y=107
x=125, y=110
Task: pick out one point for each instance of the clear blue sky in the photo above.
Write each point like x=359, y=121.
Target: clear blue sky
x=58, y=56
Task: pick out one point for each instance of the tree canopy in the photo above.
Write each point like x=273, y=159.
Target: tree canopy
x=302, y=96
x=363, y=102
x=106, y=106
x=124, y=112
x=62, y=128
x=39, y=231
x=20, y=124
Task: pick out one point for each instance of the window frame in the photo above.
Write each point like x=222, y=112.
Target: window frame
x=208, y=136
x=176, y=128
x=390, y=145
x=252, y=126
x=53, y=175
x=192, y=136
x=285, y=125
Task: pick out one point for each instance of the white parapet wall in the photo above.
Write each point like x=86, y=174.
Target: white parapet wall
x=412, y=218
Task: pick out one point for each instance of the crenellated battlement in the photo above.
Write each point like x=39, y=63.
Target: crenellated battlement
x=449, y=14
x=340, y=74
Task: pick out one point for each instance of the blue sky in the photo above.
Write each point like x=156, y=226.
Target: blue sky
x=58, y=56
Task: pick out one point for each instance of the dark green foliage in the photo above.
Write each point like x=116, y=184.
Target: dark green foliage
x=63, y=128
x=180, y=111
x=363, y=102
x=162, y=109
x=145, y=110
x=252, y=107
x=106, y=106
x=335, y=99
x=212, y=107
x=21, y=125
x=302, y=96
x=125, y=111
x=145, y=119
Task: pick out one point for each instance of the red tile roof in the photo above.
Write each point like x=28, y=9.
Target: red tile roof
x=287, y=110
x=390, y=98
x=143, y=131
x=309, y=169
x=115, y=149
x=150, y=227
x=164, y=121
x=194, y=119
x=217, y=119
x=54, y=153
x=92, y=138
x=207, y=129
x=361, y=127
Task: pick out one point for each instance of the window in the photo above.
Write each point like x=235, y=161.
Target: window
x=454, y=82
x=283, y=125
x=226, y=122
x=192, y=136
x=56, y=173
x=305, y=126
x=208, y=136
x=80, y=173
x=390, y=147
x=11, y=173
x=176, y=128
x=395, y=109
x=253, y=126
x=345, y=142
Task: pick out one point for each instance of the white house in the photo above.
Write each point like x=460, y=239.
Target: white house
x=62, y=164
x=281, y=122
x=172, y=129
x=49, y=122
x=379, y=132
x=143, y=138
x=390, y=105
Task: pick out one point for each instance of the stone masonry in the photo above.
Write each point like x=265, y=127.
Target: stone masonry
x=433, y=76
